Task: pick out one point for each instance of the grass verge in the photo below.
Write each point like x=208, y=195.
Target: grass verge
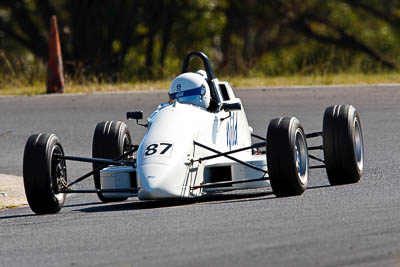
x=236, y=81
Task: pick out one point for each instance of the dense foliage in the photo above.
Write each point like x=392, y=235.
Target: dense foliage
x=146, y=39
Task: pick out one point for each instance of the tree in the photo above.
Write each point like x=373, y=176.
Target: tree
x=255, y=28
x=147, y=39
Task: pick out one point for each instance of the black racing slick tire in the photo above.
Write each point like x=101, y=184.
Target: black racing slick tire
x=343, y=144
x=287, y=157
x=110, y=140
x=44, y=173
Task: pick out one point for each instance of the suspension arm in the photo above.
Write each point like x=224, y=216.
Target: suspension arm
x=85, y=176
x=256, y=145
x=220, y=154
x=259, y=137
x=91, y=160
x=315, y=158
x=312, y=135
x=118, y=190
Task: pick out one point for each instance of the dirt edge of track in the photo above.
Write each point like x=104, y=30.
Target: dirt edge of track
x=12, y=193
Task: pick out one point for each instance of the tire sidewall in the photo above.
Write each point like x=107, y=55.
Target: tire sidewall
x=339, y=144
x=108, y=143
x=39, y=180
x=281, y=157
x=353, y=117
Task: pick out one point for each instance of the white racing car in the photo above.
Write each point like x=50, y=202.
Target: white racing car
x=196, y=144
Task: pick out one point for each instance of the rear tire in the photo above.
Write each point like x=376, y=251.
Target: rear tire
x=287, y=157
x=111, y=139
x=343, y=144
x=44, y=174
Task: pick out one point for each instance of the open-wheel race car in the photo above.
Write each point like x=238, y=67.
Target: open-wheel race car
x=198, y=143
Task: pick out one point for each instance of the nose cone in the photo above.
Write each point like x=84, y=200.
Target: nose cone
x=166, y=149
x=157, y=183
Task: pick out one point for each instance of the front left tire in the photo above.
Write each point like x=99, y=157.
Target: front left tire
x=287, y=157
x=111, y=139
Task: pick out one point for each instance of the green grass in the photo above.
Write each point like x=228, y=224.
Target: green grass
x=39, y=87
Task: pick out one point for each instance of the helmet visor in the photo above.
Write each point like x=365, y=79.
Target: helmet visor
x=192, y=96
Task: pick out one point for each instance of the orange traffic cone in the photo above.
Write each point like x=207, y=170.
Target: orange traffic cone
x=55, y=71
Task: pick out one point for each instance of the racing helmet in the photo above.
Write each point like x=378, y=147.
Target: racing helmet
x=202, y=73
x=190, y=88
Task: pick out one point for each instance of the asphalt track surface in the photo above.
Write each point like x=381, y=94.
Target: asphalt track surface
x=353, y=225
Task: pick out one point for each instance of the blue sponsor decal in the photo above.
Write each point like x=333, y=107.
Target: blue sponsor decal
x=232, y=131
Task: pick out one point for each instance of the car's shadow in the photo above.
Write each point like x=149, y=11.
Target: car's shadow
x=92, y=207
x=157, y=204
x=17, y=216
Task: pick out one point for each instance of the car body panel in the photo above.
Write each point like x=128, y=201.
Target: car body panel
x=165, y=167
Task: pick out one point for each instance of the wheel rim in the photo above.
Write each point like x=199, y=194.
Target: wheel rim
x=127, y=145
x=301, y=157
x=59, y=173
x=358, y=144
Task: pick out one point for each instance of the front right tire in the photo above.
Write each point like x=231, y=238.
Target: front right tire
x=111, y=139
x=44, y=173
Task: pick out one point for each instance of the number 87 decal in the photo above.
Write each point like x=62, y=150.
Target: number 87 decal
x=158, y=149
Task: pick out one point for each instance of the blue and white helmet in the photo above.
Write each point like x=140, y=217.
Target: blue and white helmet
x=190, y=88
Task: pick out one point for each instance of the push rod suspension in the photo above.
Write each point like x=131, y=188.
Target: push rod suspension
x=85, y=176
x=220, y=154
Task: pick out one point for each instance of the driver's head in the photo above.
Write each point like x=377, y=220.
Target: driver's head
x=191, y=88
